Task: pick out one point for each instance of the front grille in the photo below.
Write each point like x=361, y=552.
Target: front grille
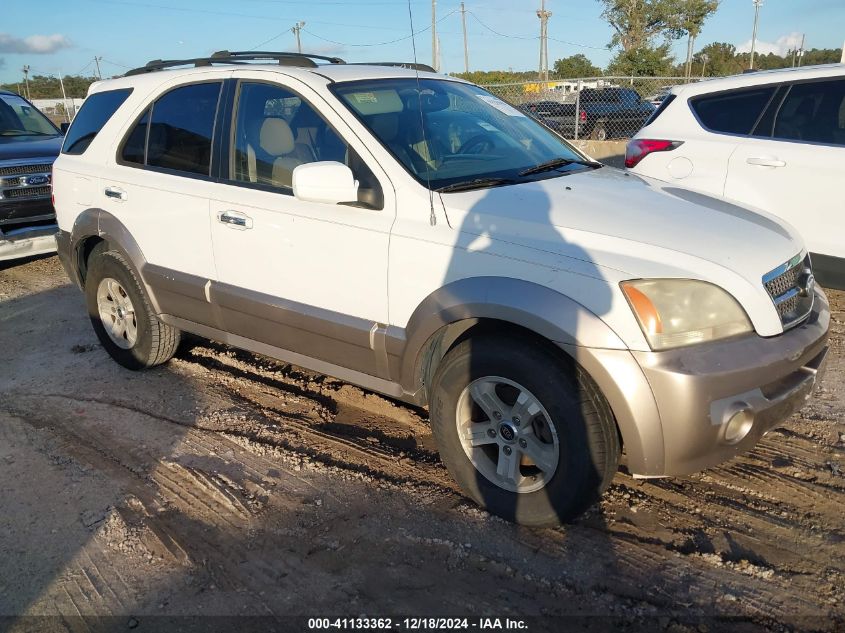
x=26, y=169
x=27, y=192
x=790, y=287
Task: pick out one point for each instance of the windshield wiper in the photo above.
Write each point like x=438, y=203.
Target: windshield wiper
x=555, y=163
x=478, y=183
x=24, y=133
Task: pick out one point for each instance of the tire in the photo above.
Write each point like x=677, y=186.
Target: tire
x=599, y=132
x=113, y=293
x=579, y=421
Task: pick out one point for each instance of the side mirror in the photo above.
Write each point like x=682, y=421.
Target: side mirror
x=64, y=127
x=328, y=181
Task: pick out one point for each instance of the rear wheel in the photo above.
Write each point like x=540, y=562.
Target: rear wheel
x=122, y=316
x=527, y=435
x=599, y=132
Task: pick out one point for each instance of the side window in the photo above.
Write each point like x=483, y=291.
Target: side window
x=135, y=148
x=733, y=112
x=275, y=131
x=95, y=113
x=181, y=129
x=181, y=126
x=813, y=112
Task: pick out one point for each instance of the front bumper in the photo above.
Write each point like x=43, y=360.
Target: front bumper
x=698, y=389
x=27, y=242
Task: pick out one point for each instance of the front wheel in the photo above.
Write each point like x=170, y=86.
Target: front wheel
x=122, y=316
x=527, y=435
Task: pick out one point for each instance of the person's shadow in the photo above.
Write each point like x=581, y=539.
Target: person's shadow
x=526, y=418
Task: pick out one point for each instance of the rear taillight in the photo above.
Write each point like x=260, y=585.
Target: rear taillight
x=583, y=116
x=639, y=148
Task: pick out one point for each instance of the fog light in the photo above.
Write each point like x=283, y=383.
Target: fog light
x=739, y=426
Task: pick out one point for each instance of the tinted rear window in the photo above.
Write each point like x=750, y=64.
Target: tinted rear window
x=181, y=128
x=733, y=112
x=95, y=112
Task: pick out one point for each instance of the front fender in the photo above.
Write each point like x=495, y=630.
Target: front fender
x=566, y=323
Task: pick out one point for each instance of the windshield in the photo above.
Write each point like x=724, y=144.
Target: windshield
x=18, y=117
x=446, y=133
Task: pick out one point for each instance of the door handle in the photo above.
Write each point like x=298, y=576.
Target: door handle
x=115, y=193
x=765, y=161
x=235, y=220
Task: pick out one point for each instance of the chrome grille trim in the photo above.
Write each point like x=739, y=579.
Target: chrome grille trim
x=19, y=170
x=27, y=192
x=790, y=287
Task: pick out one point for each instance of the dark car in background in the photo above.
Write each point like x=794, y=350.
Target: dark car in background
x=29, y=143
x=594, y=113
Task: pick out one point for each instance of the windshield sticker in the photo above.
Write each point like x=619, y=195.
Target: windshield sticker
x=364, y=97
x=500, y=105
x=486, y=126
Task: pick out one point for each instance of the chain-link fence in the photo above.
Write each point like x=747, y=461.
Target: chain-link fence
x=597, y=108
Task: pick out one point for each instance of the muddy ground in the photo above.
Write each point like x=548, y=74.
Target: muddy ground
x=227, y=484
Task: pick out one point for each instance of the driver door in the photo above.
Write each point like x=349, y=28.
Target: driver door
x=305, y=277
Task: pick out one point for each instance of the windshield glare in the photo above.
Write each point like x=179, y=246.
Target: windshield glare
x=445, y=132
x=20, y=118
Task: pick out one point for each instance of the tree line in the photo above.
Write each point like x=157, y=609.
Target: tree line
x=48, y=87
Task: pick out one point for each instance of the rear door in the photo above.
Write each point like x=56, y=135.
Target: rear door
x=794, y=164
x=158, y=186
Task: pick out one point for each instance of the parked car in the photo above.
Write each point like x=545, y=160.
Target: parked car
x=774, y=140
x=419, y=237
x=602, y=113
x=29, y=143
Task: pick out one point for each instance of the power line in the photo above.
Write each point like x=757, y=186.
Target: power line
x=399, y=39
x=533, y=37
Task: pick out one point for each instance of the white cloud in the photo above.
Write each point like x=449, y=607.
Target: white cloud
x=34, y=44
x=781, y=46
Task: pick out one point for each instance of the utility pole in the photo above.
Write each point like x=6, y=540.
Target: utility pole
x=544, y=40
x=466, y=45
x=295, y=30
x=757, y=5
x=801, y=50
x=97, y=62
x=690, y=47
x=64, y=97
x=25, y=70
x=435, y=58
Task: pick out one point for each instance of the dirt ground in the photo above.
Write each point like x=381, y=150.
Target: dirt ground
x=227, y=484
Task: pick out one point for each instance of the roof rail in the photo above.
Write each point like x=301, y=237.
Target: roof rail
x=409, y=65
x=237, y=57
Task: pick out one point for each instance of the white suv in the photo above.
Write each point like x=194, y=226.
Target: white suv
x=772, y=140
x=417, y=236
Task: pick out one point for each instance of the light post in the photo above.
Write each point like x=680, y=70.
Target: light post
x=757, y=5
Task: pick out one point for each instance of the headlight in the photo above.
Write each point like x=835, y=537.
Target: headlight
x=680, y=312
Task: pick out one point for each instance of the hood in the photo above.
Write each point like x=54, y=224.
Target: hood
x=19, y=148
x=621, y=221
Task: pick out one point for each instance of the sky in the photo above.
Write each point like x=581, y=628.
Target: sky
x=66, y=36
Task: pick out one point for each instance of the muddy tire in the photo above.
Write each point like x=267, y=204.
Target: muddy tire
x=526, y=434
x=122, y=316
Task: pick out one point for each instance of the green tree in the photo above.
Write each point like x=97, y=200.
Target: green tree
x=690, y=17
x=636, y=23
x=642, y=62
x=48, y=87
x=577, y=65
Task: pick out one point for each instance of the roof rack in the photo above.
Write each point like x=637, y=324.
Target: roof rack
x=237, y=57
x=408, y=65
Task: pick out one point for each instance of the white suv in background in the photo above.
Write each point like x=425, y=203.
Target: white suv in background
x=772, y=140
x=415, y=235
